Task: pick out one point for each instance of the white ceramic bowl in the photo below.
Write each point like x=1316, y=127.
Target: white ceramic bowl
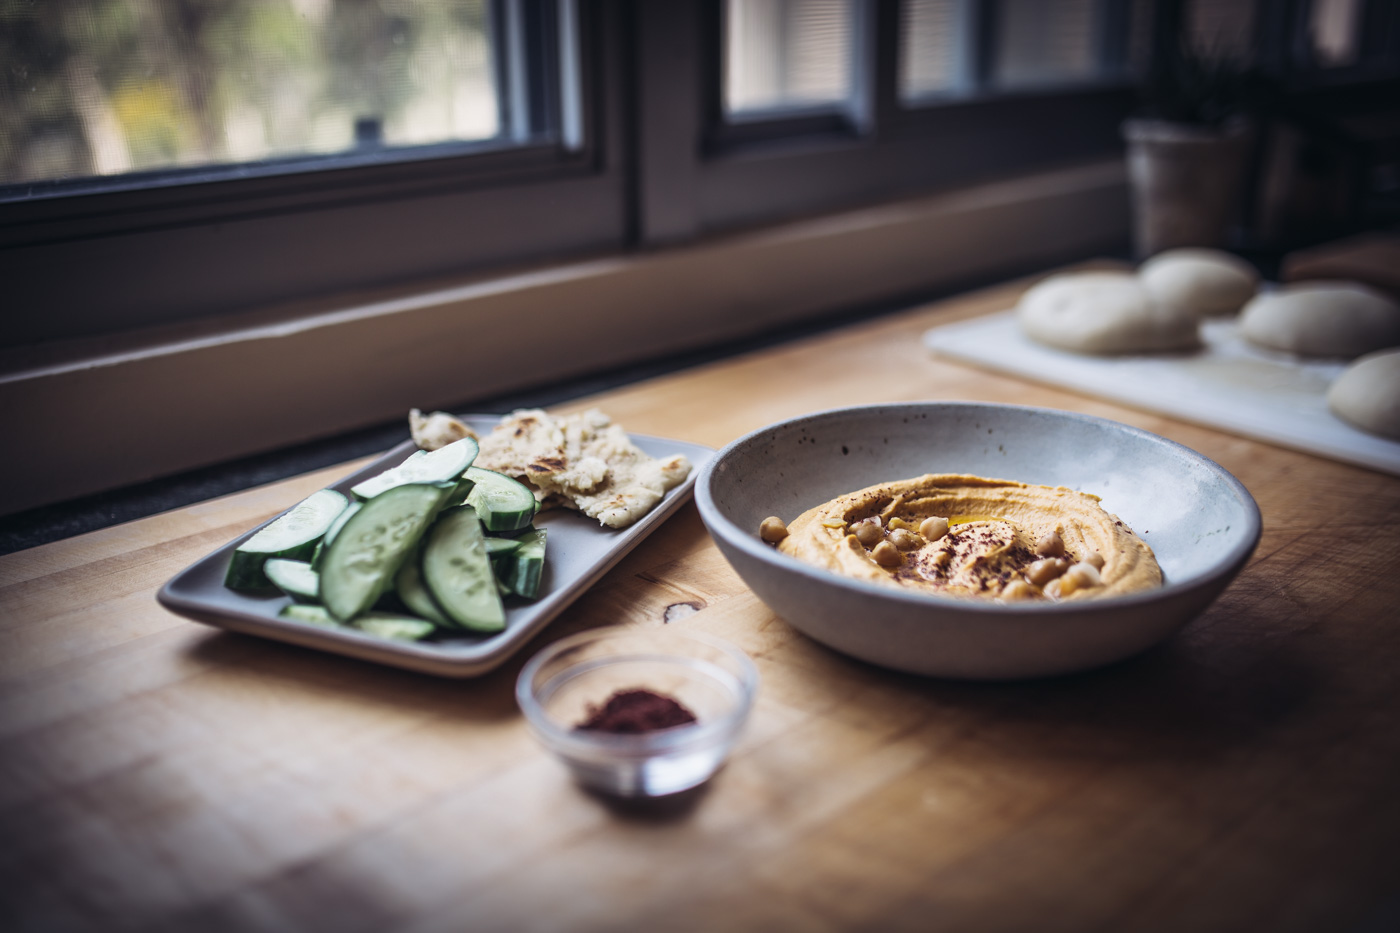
x=708, y=676
x=1199, y=520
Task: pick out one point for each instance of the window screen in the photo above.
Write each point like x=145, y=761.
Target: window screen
x=786, y=55
x=110, y=87
x=935, y=54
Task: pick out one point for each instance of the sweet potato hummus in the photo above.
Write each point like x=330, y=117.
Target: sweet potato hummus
x=970, y=536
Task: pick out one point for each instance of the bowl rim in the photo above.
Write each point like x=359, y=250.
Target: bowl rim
x=721, y=526
x=644, y=744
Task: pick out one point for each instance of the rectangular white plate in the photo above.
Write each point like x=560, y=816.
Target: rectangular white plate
x=579, y=552
x=1228, y=384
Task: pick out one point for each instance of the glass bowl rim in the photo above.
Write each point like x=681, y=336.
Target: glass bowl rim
x=644, y=744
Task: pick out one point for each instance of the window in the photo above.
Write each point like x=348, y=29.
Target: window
x=257, y=152
x=385, y=184
x=116, y=89
x=97, y=91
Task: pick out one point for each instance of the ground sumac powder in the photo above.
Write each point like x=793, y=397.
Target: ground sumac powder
x=635, y=711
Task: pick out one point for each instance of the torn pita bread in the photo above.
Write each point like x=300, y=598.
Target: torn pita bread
x=436, y=430
x=581, y=461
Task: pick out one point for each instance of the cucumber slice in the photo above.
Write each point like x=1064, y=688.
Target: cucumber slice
x=408, y=583
x=446, y=464
x=393, y=625
x=502, y=502
x=365, y=556
x=310, y=614
x=458, y=572
x=332, y=531
x=293, y=535
x=293, y=577
x=521, y=571
x=499, y=547
x=383, y=624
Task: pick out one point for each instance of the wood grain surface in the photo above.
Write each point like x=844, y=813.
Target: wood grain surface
x=157, y=774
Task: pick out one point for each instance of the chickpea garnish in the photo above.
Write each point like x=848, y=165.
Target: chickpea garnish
x=1050, y=545
x=897, y=522
x=868, y=532
x=887, y=555
x=1084, y=575
x=1043, y=571
x=772, y=529
x=1096, y=559
x=905, y=540
x=1018, y=590
x=933, y=527
x=1081, y=576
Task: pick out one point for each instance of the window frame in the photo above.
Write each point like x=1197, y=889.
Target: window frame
x=720, y=176
x=652, y=164
x=157, y=249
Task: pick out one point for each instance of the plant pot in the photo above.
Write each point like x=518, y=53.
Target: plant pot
x=1186, y=182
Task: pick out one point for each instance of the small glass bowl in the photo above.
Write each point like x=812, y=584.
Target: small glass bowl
x=560, y=686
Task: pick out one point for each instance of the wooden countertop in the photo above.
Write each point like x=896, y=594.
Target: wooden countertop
x=155, y=773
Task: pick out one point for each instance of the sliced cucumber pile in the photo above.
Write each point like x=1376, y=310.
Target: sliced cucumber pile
x=361, y=562
x=431, y=545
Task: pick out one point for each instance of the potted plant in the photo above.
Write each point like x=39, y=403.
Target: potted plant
x=1187, y=151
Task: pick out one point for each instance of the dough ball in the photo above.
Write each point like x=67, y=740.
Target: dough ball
x=1367, y=393
x=1102, y=312
x=1342, y=319
x=1204, y=282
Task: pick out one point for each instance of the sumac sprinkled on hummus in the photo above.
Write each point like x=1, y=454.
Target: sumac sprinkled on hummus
x=991, y=543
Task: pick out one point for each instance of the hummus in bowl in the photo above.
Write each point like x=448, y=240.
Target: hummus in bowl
x=960, y=535
x=1198, y=523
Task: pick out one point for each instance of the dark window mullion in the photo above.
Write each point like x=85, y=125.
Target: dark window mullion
x=983, y=22
x=876, y=61
x=677, y=93
x=1113, y=22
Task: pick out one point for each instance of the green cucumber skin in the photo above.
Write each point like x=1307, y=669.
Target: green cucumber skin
x=503, y=503
x=317, y=512
x=521, y=570
x=245, y=569
x=365, y=556
x=458, y=573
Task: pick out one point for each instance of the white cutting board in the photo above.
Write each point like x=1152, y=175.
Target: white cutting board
x=1230, y=384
